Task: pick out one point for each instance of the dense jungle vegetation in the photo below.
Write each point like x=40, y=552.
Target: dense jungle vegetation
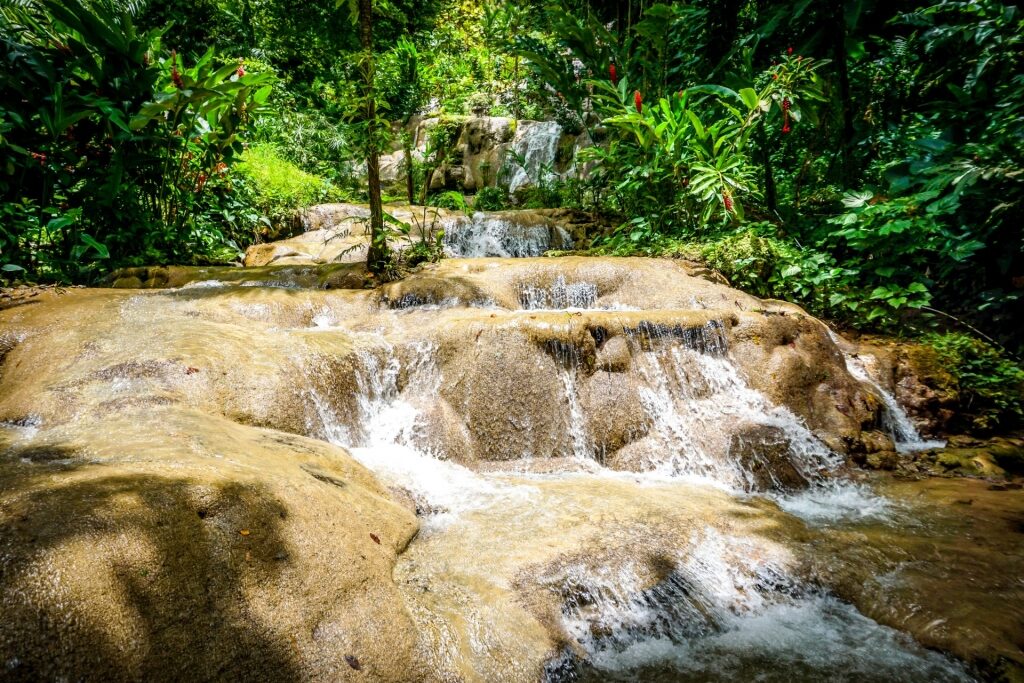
x=861, y=158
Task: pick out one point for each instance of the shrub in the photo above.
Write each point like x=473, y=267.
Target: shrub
x=452, y=200
x=277, y=188
x=990, y=384
x=479, y=103
x=491, y=199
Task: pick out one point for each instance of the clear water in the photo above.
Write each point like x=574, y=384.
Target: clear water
x=729, y=609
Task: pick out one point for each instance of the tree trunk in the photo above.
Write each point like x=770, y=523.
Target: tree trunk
x=377, y=256
x=409, y=180
x=770, y=195
x=845, y=100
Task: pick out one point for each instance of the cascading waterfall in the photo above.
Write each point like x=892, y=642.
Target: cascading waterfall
x=895, y=420
x=486, y=235
x=560, y=295
x=727, y=606
x=390, y=442
x=536, y=143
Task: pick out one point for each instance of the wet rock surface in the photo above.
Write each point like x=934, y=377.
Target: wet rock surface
x=490, y=470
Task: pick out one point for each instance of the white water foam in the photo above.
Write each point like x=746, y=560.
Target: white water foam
x=695, y=401
x=387, y=436
x=731, y=611
x=561, y=295
x=895, y=420
x=500, y=235
x=836, y=501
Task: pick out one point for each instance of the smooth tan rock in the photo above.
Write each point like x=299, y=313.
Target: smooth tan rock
x=168, y=545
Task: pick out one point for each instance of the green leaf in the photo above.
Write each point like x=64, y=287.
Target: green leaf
x=101, y=249
x=750, y=98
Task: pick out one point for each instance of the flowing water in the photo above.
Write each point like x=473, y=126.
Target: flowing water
x=536, y=143
x=717, y=605
x=894, y=418
x=498, y=234
x=603, y=491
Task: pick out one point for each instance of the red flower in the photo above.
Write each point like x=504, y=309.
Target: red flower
x=727, y=198
x=785, y=104
x=40, y=157
x=638, y=100
x=789, y=50
x=613, y=74
x=241, y=68
x=175, y=75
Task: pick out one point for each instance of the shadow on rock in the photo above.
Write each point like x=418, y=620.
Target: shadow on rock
x=133, y=576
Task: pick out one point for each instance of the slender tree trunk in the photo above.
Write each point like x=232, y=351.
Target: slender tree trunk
x=770, y=195
x=845, y=103
x=409, y=180
x=248, y=25
x=377, y=256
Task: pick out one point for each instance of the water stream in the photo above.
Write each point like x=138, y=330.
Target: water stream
x=715, y=604
x=895, y=420
x=536, y=143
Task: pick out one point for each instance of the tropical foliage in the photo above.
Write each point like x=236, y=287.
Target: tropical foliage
x=862, y=158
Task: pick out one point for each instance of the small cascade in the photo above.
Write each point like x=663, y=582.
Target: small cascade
x=536, y=143
x=387, y=437
x=895, y=420
x=728, y=605
x=579, y=429
x=560, y=295
x=711, y=424
x=501, y=235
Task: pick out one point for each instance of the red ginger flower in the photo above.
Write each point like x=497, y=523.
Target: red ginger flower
x=638, y=100
x=241, y=68
x=789, y=50
x=175, y=74
x=727, y=198
x=613, y=74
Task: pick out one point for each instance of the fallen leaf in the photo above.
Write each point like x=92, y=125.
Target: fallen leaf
x=375, y=538
x=353, y=662
x=244, y=532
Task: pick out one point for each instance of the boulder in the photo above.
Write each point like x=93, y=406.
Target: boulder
x=764, y=452
x=171, y=545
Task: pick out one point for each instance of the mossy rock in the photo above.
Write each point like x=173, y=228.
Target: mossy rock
x=930, y=369
x=977, y=462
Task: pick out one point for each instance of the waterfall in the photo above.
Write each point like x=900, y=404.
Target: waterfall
x=721, y=606
x=387, y=438
x=501, y=234
x=725, y=610
x=536, y=142
x=560, y=295
x=895, y=420
x=696, y=401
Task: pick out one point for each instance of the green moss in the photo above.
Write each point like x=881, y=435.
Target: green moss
x=928, y=366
